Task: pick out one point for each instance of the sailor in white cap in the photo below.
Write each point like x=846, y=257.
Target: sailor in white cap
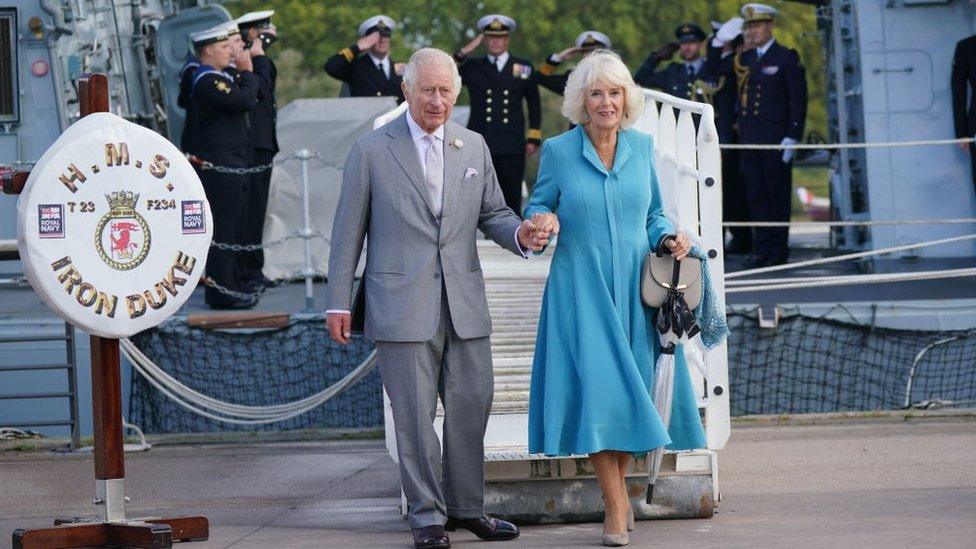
x=218, y=113
x=373, y=74
x=259, y=33
x=725, y=42
x=772, y=109
x=586, y=42
x=498, y=84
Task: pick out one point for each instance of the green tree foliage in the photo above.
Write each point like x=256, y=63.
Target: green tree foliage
x=313, y=30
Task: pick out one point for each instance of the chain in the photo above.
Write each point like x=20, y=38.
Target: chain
x=275, y=284
x=254, y=247
x=297, y=155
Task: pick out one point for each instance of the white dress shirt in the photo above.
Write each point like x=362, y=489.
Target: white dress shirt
x=761, y=50
x=385, y=63
x=499, y=61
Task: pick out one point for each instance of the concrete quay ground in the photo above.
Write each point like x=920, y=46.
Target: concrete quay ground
x=899, y=480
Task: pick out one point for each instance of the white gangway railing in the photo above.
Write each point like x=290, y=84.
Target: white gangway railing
x=689, y=168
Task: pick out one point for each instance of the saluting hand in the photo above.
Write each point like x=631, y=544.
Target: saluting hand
x=473, y=44
x=368, y=41
x=257, y=47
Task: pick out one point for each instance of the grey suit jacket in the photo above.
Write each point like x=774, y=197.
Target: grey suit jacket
x=409, y=255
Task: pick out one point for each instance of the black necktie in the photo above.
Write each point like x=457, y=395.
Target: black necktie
x=691, y=71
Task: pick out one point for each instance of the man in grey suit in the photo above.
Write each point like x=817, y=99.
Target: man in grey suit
x=421, y=187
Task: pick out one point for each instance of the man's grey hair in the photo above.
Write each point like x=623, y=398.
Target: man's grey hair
x=429, y=57
x=601, y=66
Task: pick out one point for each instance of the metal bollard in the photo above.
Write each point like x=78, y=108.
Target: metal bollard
x=303, y=155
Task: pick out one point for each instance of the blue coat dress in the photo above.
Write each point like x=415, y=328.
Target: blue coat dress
x=593, y=370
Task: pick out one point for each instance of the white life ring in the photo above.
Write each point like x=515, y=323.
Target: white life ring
x=113, y=227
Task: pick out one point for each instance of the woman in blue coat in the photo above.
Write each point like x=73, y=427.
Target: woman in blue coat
x=593, y=370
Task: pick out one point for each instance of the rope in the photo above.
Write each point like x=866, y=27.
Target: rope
x=227, y=412
x=819, y=146
x=848, y=223
x=822, y=261
x=918, y=358
x=855, y=279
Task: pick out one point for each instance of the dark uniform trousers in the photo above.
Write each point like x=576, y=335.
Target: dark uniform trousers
x=264, y=141
x=220, y=105
x=772, y=105
x=735, y=205
x=497, y=114
x=963, y=83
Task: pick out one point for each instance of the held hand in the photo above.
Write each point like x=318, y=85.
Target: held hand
x=243, y=61
x=473, y=44
x=679, y=246
x=547, y=224
x=340, y=327
x=368, y=41
x=530, y=149
x=667, y=51
x=528, y=237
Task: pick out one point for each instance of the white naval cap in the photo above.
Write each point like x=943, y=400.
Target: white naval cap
x=230, y=27
x=496, y=24
x=377, y=23
x=255, y=19
x=729, y=29
x=593, y=39
x=208, y=36
x=758, y=12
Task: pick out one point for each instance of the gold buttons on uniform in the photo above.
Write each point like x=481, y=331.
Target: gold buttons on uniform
x=505, y=101
x=379, y=94
x=489, y=91
x=755, y=112
x=505, y=92
x=504, y=111
x=488, y=119
x=488, y=109
x=504, y=121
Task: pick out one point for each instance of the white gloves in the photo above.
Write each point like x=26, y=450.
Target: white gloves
x=788, y=153
x=727, y=32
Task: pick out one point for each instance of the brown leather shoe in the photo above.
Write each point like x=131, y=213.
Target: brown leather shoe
x=430, y=537
x=486, y=528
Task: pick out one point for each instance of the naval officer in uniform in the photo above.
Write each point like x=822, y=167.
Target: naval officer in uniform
x=586, y=42
x=685, y=78
x=498, y=84
x=220, y=104
x=259, y=33
x=964, y=95
x=366, y=66
x=771, y=109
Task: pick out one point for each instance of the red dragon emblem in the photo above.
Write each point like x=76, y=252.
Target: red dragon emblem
x=121, y=240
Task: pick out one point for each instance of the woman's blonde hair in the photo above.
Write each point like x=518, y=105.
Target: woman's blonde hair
x=601, y=66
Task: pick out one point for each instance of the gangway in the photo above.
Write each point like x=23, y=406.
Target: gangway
x=532, y=488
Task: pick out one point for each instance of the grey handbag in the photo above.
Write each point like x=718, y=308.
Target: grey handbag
x=661, y=273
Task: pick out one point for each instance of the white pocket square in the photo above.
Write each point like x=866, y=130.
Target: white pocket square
x=470, y=172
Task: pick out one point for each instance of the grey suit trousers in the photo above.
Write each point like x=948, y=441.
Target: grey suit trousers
x=414, y=375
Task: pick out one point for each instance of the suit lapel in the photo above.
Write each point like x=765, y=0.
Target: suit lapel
x=452, y=168
x=405, y=154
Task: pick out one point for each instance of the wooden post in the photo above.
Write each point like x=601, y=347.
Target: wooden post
x=110, y=527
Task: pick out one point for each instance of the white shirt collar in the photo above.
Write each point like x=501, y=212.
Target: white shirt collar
x=697, y=64
x=765, y=47
x=418, y=133
x=377, y=60
x=500, y=60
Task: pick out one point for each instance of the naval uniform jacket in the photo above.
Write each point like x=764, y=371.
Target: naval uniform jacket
x=772, y=97
x=362, y=76
x=674, y=80
x=496, y=102
x=963, y=87
x=220, y=104
x=264, y=118
x=547, y=78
